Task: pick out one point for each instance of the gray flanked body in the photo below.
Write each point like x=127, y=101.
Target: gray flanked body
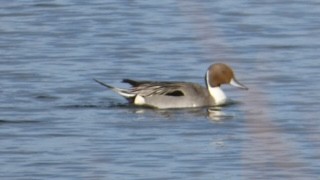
x=165, y=95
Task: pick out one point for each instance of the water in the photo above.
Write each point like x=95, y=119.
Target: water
x=57, y=123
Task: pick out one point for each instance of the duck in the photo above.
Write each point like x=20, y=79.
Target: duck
x=175, y=94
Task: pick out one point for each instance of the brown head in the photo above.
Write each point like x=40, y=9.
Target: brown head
x=219, y=74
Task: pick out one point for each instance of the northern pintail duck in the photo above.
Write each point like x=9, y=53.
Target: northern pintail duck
x=164, y=95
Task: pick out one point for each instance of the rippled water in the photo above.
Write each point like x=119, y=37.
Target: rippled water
x=57, y=123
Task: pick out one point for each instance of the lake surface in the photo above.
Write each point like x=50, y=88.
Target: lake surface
x=57, y=123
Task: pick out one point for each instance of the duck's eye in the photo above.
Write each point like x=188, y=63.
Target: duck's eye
x=175, y=93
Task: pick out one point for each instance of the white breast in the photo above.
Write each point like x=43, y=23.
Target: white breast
x=218, y=95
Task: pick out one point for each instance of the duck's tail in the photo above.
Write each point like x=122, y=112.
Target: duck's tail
x=123, y=92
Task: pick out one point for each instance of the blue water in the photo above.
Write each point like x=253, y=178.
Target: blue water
x=57, y=123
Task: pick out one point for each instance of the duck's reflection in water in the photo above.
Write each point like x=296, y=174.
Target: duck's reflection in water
x=217, y=114
x=212, y=113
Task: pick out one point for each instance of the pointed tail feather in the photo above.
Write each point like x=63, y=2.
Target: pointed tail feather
x=123, y=92
x=104, y=84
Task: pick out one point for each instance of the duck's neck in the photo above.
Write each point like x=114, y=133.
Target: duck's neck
x=218, y=95
x=216, y=92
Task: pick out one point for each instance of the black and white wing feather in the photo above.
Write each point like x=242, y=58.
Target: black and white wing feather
x=150, y=88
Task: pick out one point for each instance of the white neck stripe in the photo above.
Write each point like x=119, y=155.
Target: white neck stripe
x=207, y=79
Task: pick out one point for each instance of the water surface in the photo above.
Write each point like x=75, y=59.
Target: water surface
x=57, y=123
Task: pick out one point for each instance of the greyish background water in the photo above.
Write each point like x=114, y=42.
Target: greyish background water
x=57, y=123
